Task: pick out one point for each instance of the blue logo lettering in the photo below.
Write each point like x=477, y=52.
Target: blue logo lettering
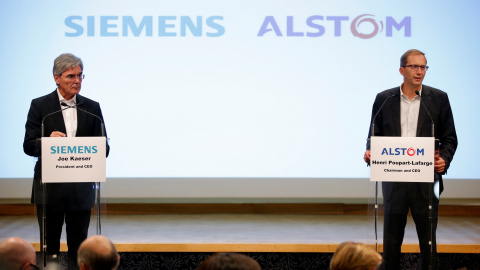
x=105, y=26
x=405, y=23
x=311, y=22
x=129, y=23
x=78, y=149
x=168, y=26
x=270, y=24
x=269, y=20
x=338, y=23
x=69, y=22
x=185, y=22
x=211, y=23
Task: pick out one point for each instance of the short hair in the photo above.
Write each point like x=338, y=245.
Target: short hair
x=229, y=261
x=65, y=61
x=354, y=256
x=96, y=261
x=404, y=58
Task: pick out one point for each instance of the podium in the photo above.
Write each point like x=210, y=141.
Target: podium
x=72, y=172
x=399, y=163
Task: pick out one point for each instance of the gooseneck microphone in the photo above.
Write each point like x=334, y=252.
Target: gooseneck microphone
x=77, y=106
x=50, y=114
x=428, y=112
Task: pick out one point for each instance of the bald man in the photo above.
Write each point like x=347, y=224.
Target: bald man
x=16, y=253
x=97, y=252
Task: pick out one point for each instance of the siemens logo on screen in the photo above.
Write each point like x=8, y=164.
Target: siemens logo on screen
x=80, y=149
x=127, y=26
x=363, y=26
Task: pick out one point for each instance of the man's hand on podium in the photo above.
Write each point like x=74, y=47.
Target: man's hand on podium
x=57, y=134
x=439, y=164
x=366, y=156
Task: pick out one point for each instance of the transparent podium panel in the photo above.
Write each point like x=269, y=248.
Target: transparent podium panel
x=403, y=204
x=403, y=219
x=66, y=212
x=375, y=216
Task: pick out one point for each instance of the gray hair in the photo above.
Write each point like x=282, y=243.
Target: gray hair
x=404, y=58
x=65, y=61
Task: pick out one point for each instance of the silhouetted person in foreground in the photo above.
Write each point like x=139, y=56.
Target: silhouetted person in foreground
x=355, y=256
x=98, y=253
x=16, y=253
x=229, y=261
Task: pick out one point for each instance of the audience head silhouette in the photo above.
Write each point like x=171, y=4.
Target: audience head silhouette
x=16, y=253
x=355, y=256
x=97, y=253
x=229, y=261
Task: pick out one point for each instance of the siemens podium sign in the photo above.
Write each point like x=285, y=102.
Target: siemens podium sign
x=73, y=159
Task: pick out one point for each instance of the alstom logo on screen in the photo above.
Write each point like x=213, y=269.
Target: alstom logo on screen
x=364, y=26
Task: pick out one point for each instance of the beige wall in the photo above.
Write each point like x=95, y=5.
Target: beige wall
x=254, y=189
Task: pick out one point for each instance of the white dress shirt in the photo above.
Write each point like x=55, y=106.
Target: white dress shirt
x=69, y=115
x=409, y=110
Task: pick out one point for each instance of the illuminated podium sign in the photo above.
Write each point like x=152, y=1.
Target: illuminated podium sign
x=73, y=159
x=402, y=159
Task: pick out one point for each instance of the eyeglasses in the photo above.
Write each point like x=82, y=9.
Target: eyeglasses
x=72, y=77
x=34, y=266
x=416, y=67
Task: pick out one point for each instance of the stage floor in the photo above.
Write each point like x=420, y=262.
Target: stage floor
x=252, y=232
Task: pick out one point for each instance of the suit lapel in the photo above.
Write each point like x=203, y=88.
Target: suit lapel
x=57, y=118
x=395, y=106
x=80, y=116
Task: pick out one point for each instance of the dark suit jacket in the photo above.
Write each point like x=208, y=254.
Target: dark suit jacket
x=387, y=122
x=60, y=196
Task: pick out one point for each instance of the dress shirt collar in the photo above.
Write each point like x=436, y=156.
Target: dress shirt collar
x=405, y=97
x=70, y=102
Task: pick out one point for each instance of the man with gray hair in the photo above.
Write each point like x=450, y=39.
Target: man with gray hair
x=98, y=253
x=64, y=202
x=16, y=253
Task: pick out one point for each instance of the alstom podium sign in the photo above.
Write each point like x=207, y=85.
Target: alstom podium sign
x=402, y=159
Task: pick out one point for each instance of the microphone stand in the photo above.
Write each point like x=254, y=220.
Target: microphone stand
x=97, y=184
x=430, y=189
x=43, y=234
x=376, y=183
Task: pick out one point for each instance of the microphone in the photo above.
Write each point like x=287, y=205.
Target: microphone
x=428, y=112
x=76, y=106
x=50, y=114
x=372, y=127
x=368, y=164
